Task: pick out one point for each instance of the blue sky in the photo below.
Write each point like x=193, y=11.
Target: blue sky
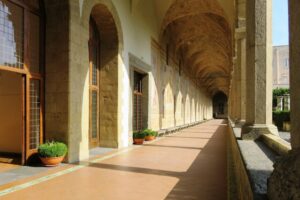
x=280, y=22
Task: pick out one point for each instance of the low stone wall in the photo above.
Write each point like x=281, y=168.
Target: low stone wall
x=238, y=181
x=250, y=164
x=163, y=132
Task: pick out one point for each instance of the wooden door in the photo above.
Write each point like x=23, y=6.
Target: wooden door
x=22, y=36
x=94, y=52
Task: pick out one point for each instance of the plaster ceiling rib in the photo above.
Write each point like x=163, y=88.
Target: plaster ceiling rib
x=184, y=8
x=200, y=33
x=208, y=57
x=199, y=27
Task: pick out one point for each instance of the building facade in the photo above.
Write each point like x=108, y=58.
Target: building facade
x=281, y=67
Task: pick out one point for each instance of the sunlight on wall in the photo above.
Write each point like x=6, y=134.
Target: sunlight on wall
x=124, y=102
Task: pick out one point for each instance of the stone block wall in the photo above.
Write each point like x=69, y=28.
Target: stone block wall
x=57, y=70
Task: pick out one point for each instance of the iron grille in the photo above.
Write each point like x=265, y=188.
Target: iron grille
x=94, y=114
x=35, y=114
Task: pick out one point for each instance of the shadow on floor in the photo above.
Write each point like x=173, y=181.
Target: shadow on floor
x=206, y=178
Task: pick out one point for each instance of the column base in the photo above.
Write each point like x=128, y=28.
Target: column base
x=284, y=182
x=253, y=132
x=239, y=123
x=231, y=121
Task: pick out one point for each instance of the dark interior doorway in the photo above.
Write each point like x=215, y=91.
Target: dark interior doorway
x=220, y=107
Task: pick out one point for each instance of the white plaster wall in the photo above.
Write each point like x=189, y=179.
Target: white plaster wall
x=137, y=27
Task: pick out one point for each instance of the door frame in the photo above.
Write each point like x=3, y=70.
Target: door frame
x=27, y=75
x=94, y=44
x=25, y=118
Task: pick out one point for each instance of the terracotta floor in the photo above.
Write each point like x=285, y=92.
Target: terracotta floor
x=185, y=166
x=6, y=167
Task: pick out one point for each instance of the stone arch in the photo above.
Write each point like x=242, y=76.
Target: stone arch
x=187, y=109
x=106, y=20
x=169, y=106
x=178, y=108
x=108, y=7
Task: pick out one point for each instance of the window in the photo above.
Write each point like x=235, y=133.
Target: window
x=11, y=35
x=94, y=46
x=286, y=63
x=138, y=102
x=163, y=102
x=174, y=105
x=182, y=108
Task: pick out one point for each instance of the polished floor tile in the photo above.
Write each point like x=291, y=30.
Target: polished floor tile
x=187, y=165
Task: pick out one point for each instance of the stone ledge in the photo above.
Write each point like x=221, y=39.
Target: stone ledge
x=277, y=144
x=171, y=130
x=258, y=160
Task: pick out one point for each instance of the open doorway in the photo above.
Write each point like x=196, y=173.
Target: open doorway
x=11, y=117
x=220, y=107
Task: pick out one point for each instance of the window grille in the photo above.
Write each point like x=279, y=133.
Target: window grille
x=35, y=114
x=11, y=35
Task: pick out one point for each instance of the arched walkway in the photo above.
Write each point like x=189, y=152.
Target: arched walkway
x=190, y=164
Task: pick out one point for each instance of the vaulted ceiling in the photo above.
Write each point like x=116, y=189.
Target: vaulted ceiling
x=200, y=31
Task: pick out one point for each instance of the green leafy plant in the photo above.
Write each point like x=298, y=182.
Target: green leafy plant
x=52, y=149
x=279, y=92
x=150, y=132
x=138, y=135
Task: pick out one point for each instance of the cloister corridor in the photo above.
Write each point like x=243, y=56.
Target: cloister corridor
x=190, y=164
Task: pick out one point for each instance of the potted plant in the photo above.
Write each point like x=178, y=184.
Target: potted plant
x=150, y=134
x=52, y=153
x=138, y=137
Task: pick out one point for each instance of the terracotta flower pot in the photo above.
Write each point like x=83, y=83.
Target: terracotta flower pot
x=52, y=161
x=149, y=138
x=138, y=141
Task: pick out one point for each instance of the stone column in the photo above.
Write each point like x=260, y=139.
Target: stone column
x=240, y=35
x=231, y=98
x=243, y=79
x=233, y=92
x=294, y=17
x=259, y=70
x=286, y=100
x=237, y=89
x=284, y=181
x=57, y=63
x=279, y=103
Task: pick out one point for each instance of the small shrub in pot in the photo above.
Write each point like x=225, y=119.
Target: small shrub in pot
x=52, y=153
x=138, y=137
x=150, y=134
